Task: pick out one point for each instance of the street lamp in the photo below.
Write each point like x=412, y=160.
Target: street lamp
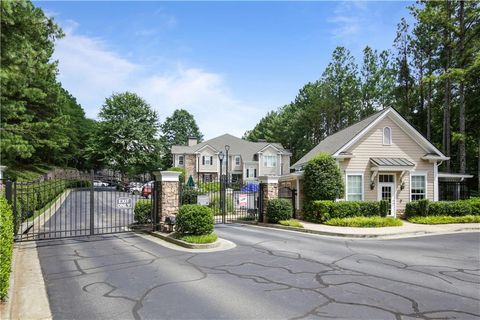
x=227, y=147
x=222, y=207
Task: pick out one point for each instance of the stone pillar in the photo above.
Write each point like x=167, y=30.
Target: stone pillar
x=168, y=194
x=269, y=185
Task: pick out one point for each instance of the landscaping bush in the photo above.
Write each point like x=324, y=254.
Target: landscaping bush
x=209, y=186
x=315, y=211
x=143, y=211
x=365, y=222
x=278, y=209
x=6, y=246
x=189, y=195
x=445, y=219
x=475, y=203
x=322, y=179
x=384, y=207
x=321, y=211
x=193, y=219
x=448, y=208
x=417, y=208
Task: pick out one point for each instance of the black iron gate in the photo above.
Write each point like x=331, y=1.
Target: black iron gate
x=229, y=200
x=77, y=204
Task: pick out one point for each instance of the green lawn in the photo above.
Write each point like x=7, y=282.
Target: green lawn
x=209, y=238
x=291, y=223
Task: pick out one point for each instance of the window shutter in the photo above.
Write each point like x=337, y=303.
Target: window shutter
x=211, y=160
x=248, y=173
x=254, y=173
x=203, y=160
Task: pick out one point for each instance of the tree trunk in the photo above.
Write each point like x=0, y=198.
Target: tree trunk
x=461, y=119
x=447, y=95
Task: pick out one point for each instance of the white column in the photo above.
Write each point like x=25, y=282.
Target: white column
x=435, y=181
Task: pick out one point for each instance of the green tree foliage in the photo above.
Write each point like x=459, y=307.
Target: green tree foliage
x=322, y=179
x=175, y=131
x=431, y=77
x=40, y=121
x=125, y=138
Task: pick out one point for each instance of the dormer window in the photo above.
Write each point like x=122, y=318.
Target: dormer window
x=387, y=136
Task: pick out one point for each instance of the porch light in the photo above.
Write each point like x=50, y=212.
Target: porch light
x=220, y=156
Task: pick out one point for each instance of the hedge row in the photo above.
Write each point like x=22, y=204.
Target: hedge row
x=31, y=197
x=6, y=246
x=323, y=210
x=424, y=208
x=143, y=211
x=278, y=210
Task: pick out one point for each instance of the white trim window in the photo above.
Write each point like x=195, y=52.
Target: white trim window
x=251, y=172
x=387, y=136
x=269, y=161
x=180, y=161
x=418, y=187
x=207, y=160
x=354, y=190
x=237, y=161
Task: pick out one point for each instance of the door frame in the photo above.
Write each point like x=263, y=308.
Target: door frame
x=393, y=208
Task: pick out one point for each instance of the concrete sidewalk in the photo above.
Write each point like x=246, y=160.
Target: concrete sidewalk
x=407, y=230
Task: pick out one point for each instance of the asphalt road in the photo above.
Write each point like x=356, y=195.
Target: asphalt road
x=71, y=215
x=271, y=274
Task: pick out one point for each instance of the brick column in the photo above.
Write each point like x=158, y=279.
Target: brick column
x=269, y=185
x=168, y=194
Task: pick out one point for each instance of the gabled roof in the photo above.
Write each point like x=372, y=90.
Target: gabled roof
x=246, y=149
x=338, y=142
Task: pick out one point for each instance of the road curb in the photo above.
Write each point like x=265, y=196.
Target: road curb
x=184, y=244
x=357, y=236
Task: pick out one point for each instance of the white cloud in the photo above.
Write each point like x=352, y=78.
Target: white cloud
x=91, y=72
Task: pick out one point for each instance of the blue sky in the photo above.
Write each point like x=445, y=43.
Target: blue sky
x=228, y=63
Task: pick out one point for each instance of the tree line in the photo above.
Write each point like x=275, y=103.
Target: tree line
x=42, y=123
x=431, y=75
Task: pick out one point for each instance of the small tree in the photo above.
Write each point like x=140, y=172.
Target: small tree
x=322, y=179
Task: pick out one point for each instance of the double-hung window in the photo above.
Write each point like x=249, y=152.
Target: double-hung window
x=237, y=161
x=207, y=161
x=270, y=161
x=354, y=187
x=180, y=160
x=418, y=187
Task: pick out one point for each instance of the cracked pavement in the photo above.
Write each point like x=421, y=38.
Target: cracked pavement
x=271, y=274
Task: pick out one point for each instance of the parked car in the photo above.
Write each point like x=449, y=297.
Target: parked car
x=134, y=188
x=98, y=183
x=147, y=190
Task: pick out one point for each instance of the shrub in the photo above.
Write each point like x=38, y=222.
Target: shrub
x=278, y=209
x=321, y=211
x=291, y=223
x=384, y=207
x=207, y=238
x=448, y=208
x=315, y=211
x=143, y=211
x=445, y=219
x=189, y=195
x=209, y=186
x=193, y=219
x=183, y=173
x=6, y=246
x=475, y=203
x=322, y=179
x=365, y=222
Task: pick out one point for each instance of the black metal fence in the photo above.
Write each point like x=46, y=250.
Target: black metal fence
x=229, y=200
x=453, y=190
x=75, y=204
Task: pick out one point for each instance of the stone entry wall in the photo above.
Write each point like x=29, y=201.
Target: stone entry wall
x=269, y=190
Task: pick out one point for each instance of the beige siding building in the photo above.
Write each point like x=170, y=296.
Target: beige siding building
x=381, y=158
x=246, y=160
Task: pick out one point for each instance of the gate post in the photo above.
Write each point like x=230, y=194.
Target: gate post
x=92, y=203
x=168, y=194
x=269, y=190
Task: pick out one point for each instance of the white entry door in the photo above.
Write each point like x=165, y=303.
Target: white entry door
x=386, y=191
